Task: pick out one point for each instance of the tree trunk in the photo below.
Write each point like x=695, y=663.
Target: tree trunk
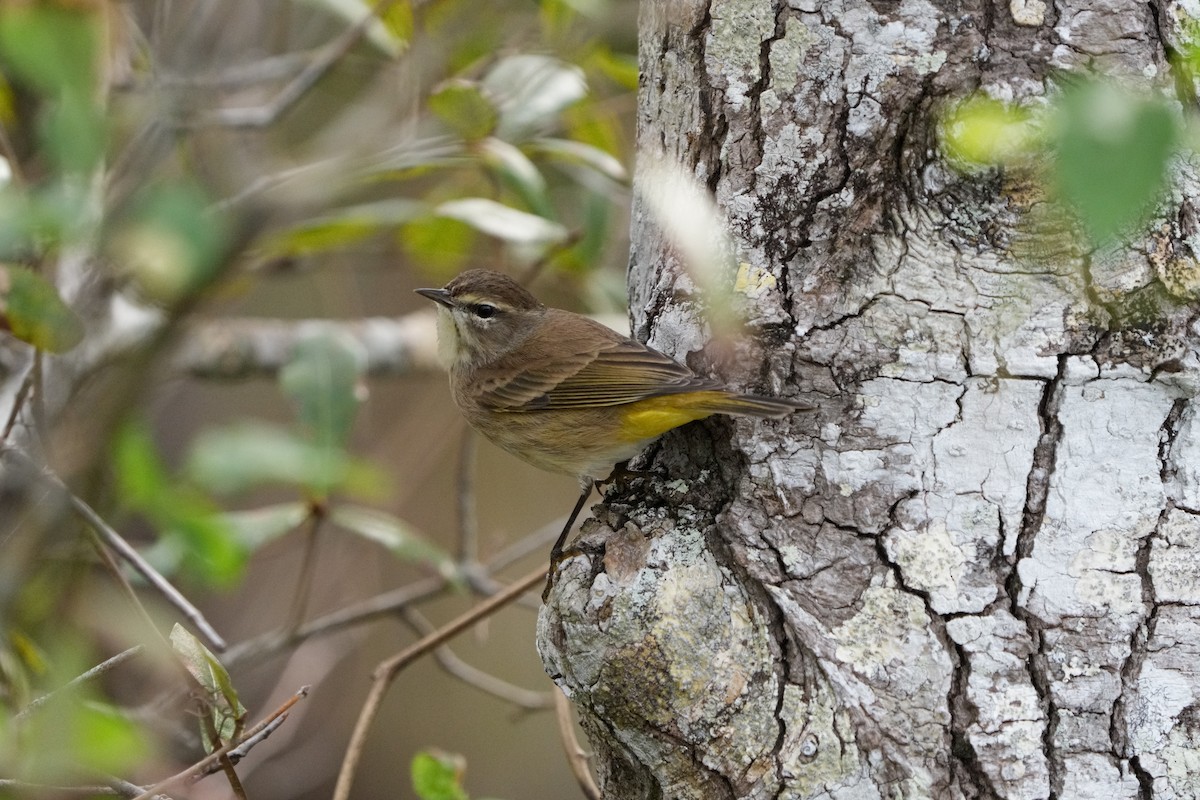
x=975, y=571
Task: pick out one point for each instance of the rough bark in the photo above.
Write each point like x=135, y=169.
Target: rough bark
x=975, y=572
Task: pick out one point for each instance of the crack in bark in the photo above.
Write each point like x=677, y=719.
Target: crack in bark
x=1036, y=492
x=1139, y=640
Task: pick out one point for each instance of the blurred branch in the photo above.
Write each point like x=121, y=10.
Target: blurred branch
x=525, y=699
x=577, y=758
x=304, y=581
x=468, y=523
x=94, y=672
x=235, y=348
x=264, y=115
x=126, y=551
x=211, y=762
x=115, y=542
x=243, y=348
x=389, y=603
x=387, y=671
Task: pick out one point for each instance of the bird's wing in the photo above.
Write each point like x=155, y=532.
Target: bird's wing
x=606, y=369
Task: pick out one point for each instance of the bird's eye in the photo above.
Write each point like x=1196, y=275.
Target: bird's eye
x=484, y=310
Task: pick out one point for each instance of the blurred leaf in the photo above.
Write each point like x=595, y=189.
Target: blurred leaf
x=384, y=35
x=256, y=527
x=530, y=91
x=224, y=705
x=75, y=133
x=321, y=379
x=981, y=131
x=393, y=533
x=104, y=740
x=579, y=153
x=32, y=311
x=1112, y=155
x=248, y=455
x=172, y=245
x=517, y=173
x=438, y=243
x=502, y=221
x=141, y=477
x=189, y=527
x=342, y=227
x=56, y=50
x=398, y=18
x=621, y=68
x=438, y=776
x=464, y=109
x=53, y=48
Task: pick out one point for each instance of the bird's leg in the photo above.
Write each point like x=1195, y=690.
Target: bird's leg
x=556, y=552
x=622, y=475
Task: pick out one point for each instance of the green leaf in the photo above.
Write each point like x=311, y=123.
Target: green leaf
x=322, y=380
x=142, y=479
x=224, y=705
x=530, y=92
x=343, y=227
x=56, y=50
x=171, y=244
x=981, y=131
x=249, y=455
x=503, y=222
x=104, y=740
x=32, y=311
x=1112, y=154
x=189, y=527
x=53, y=48
x=591, y=157
x=438, y=776
x=518, y=173
x=438, y=243
x=393, y=533
x=256, y=527
x=464, y=109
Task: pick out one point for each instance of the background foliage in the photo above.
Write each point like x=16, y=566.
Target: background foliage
x=175, y=170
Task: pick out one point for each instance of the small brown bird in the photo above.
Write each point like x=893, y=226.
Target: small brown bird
x=562, y=391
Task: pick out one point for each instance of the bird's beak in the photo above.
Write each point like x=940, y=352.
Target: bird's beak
x=439, y=296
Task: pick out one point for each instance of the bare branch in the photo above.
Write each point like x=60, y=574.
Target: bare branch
x=389, y=603
x=577, y=758
x=242, y=348
x=94, y=672
x=387, y=671
x=205, y=765
x=262, y=116
x=126, y=551
x=525, y=699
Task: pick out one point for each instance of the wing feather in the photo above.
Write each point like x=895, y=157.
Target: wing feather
x=604, y=369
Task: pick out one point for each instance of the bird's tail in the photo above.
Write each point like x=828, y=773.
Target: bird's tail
x=750, y=405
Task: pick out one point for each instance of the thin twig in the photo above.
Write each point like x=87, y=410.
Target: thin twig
x=379, y=606
x=468, y=520
x=577, y=758
x=94, y=672
x=389, y=603
x=524, y=699
x=304, y=580
x=114, y=569
x=126, y=551
x=262, y=116
x=25, y=787
x=18, y=403
x=198, y=770
x=387, y=671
